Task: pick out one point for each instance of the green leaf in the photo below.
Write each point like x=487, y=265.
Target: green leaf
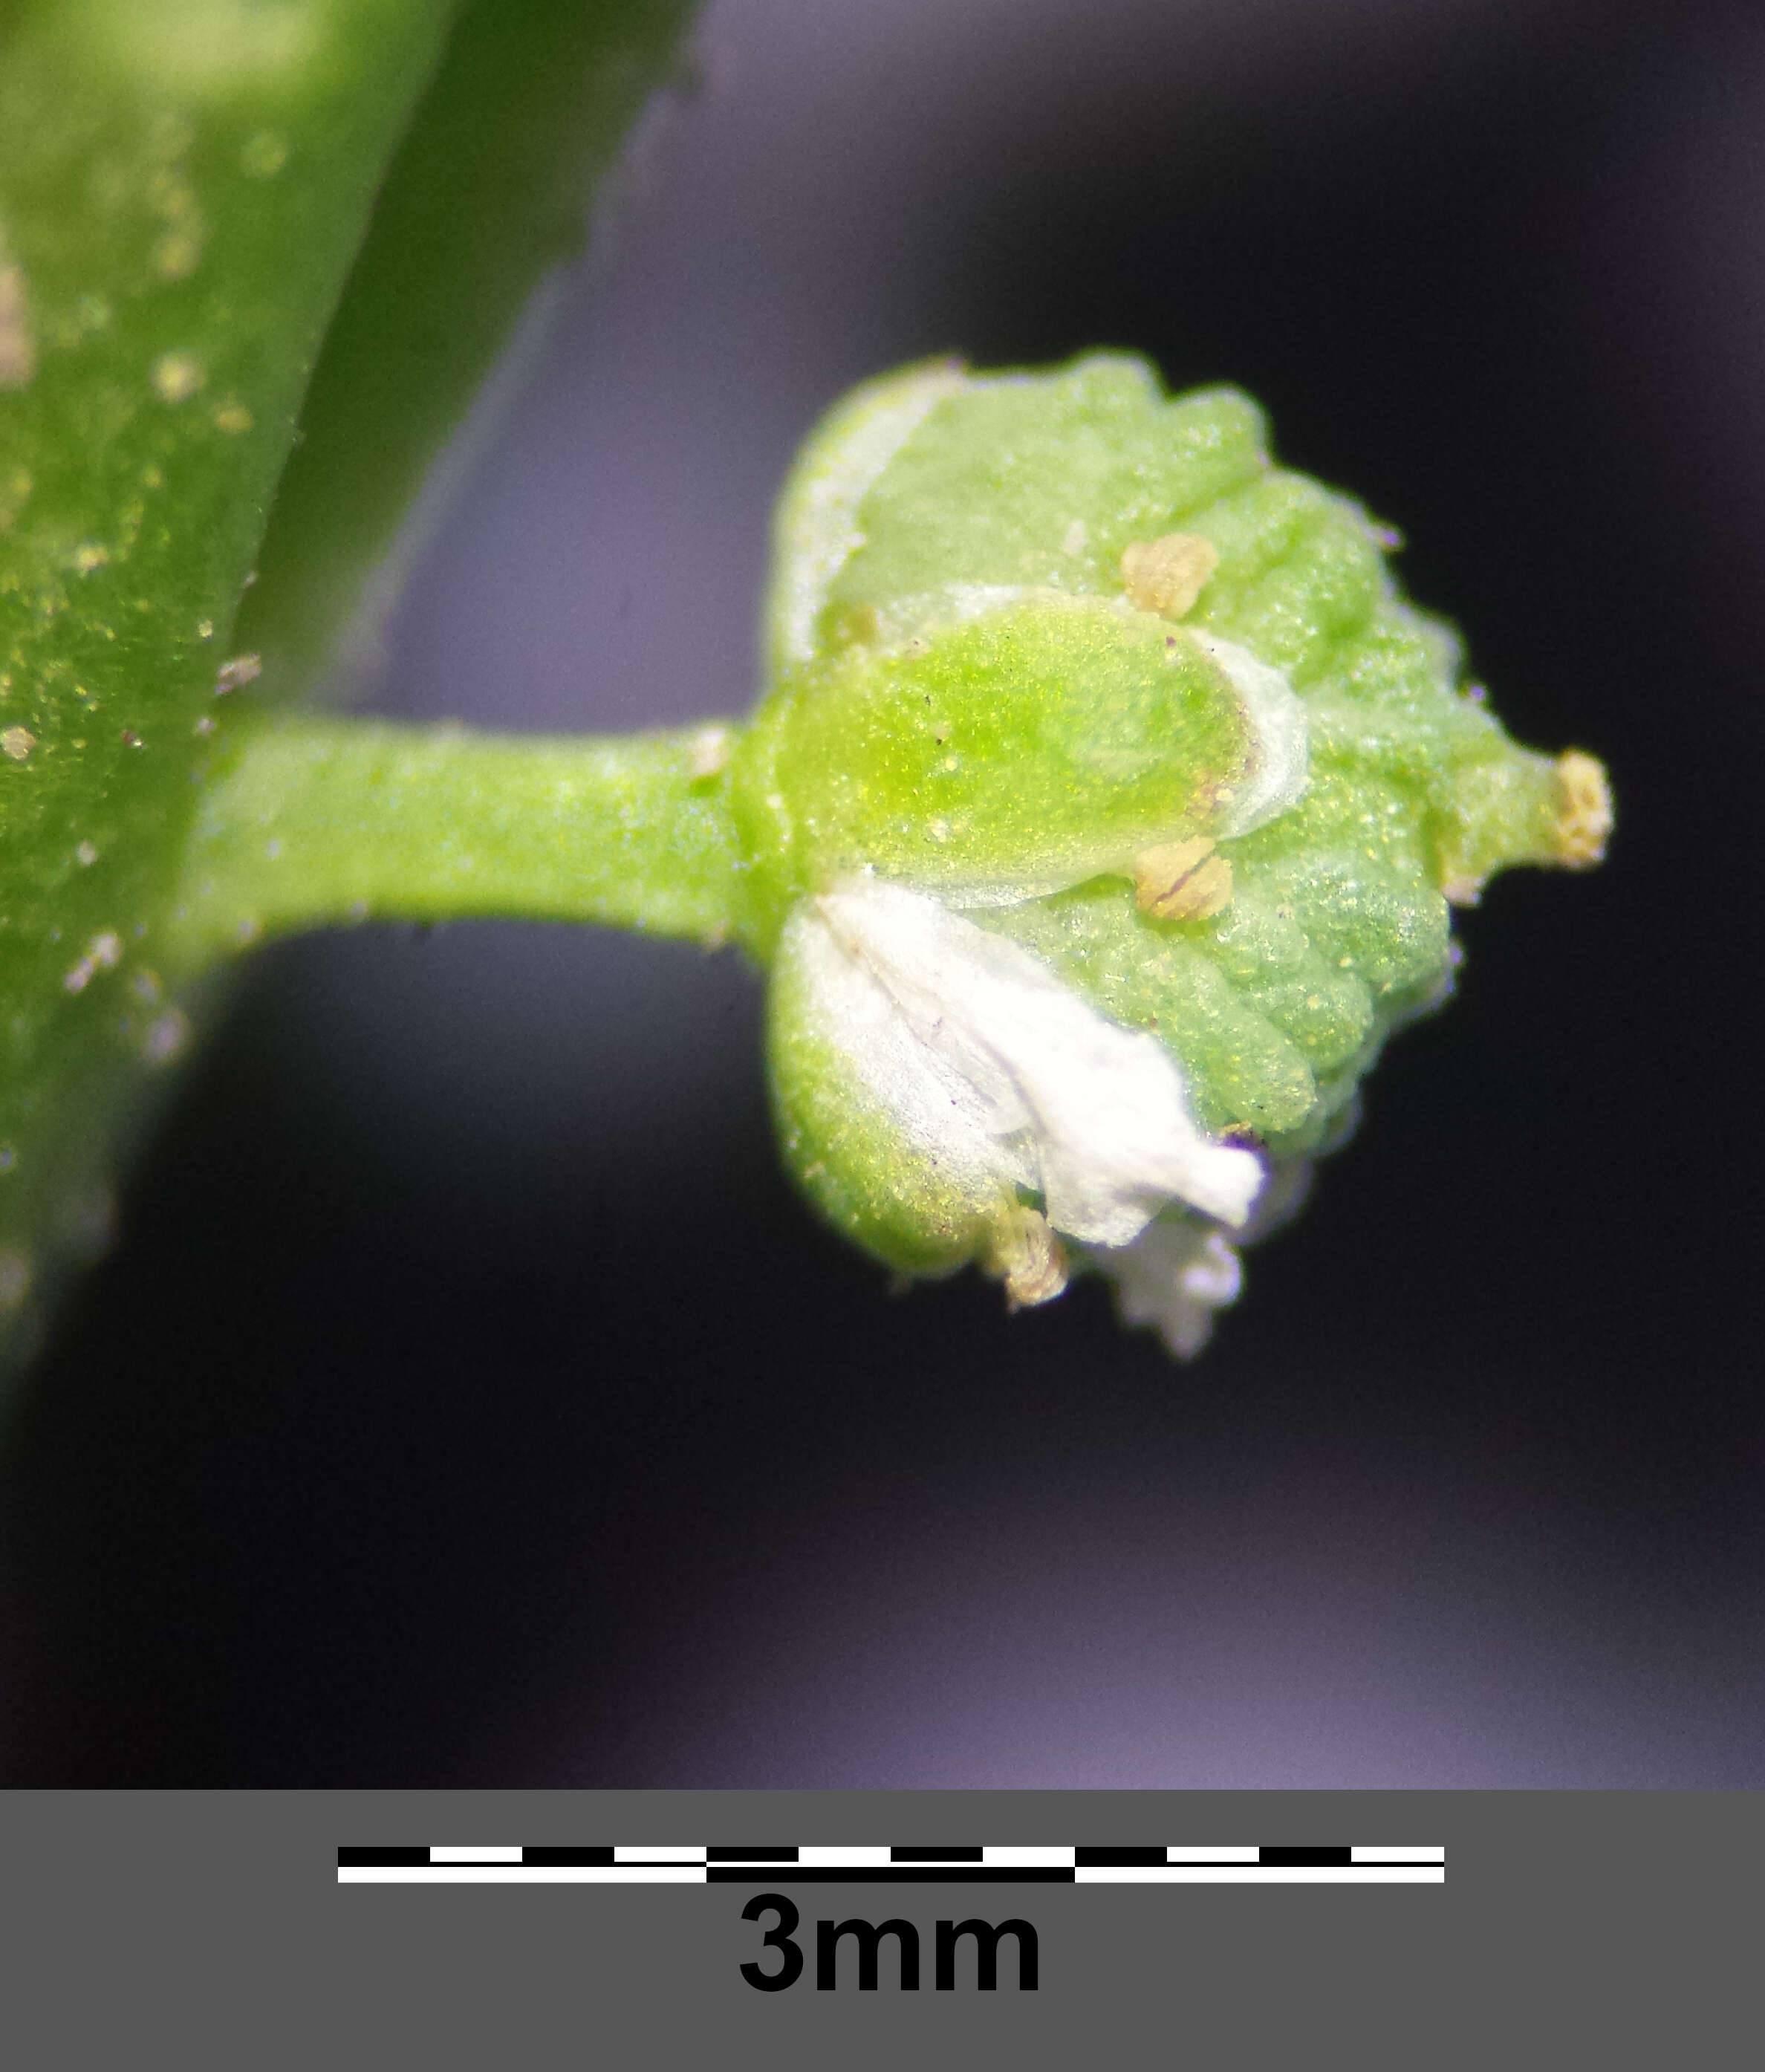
x=487, y=194
x=185, y=186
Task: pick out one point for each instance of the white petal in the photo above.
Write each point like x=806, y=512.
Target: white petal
x=1173, y=1277
x=973, y=1125
x=1099, y=1112
x=1283, y=1195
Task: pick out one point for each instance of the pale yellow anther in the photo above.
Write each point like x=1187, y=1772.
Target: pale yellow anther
x=1167, y=575
x=1025, y=1254
x=1584, y=809
x=1182, y=881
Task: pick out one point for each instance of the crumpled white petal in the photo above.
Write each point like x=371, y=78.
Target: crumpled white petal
x=983, y=1054
x=1173, y=1276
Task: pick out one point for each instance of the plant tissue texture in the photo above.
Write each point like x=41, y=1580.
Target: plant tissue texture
x=1103, y=819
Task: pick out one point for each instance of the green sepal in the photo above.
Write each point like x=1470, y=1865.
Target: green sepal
x=1042, y=742
x=901, y=1204
x=933, y=479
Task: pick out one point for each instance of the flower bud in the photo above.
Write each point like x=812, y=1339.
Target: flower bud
x=1100, y=823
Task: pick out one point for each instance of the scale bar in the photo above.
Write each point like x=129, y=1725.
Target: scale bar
x=819, y=1863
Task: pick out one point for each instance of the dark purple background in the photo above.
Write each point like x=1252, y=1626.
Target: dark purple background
x=469, y=1402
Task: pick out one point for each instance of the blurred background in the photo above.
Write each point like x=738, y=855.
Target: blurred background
x=468, y=1401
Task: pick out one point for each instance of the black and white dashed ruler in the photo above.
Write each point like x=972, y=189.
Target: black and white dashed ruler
x=814, y=1863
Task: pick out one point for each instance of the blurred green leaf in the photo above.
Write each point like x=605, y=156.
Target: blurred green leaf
x=486, y=196
x=185, y=187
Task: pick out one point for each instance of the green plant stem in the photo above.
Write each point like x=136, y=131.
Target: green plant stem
x=329, y=821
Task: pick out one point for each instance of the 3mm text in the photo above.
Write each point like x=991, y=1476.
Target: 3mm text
x=867, y=1936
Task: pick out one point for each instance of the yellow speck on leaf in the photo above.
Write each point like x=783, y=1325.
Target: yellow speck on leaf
x=17, y=352
x=104, y=953
x=17, y=741
x=242, y=669
x=262, y=154
x=16, y=485
x=233, y=417
x=176, y=376
x=177, y=254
